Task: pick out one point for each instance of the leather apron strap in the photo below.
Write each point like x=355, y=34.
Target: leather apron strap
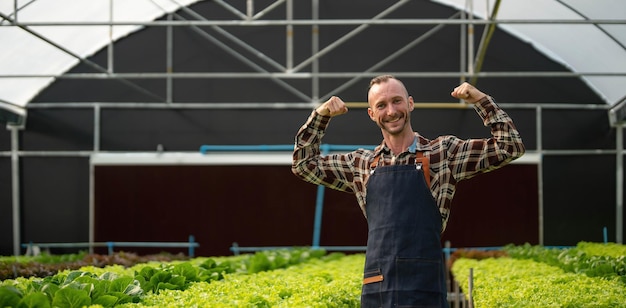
x=420, y=160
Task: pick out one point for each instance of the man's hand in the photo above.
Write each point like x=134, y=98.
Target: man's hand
x=468, y=93
x=332, y=107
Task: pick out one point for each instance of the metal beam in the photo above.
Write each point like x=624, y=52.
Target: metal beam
x=307, y=75
x=321, y=22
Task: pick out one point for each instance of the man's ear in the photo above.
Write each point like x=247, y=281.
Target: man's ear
x=411, y=103
x=370, y=113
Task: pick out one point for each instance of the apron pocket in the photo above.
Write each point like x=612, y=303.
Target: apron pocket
x=419, y=282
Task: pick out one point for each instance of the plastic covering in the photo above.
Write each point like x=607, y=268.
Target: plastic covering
x=588, y=48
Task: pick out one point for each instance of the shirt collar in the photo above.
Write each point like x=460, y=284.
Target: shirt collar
x=413, y=145
x=419, y=144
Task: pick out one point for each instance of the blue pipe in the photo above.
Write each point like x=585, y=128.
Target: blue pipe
x=317, y=223
x=192, y=240
x=278, y=147
x=262, y=147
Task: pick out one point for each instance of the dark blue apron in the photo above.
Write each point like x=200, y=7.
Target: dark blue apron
x=403, y=263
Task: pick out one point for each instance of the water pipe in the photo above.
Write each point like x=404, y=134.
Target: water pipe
x=234, y=148
x=191, y=245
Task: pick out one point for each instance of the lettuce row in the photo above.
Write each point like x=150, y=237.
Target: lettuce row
x=73, y=289
x=115, y=285
x=507, y=282
x=332, y=281
x=607, y=261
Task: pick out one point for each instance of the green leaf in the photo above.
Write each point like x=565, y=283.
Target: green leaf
x=179, y=281
x=109, y=276
x=105, y=301
x=168, y=286
x=9, y=296
x=50, y=289
x=121, y=297
x=208, y=263
x=73, y=275
x=34, y=300
x=258, y=263
x=71, y=298
x=160, y=276
x=120, y=284
x=186, y=270
x=100, y=288
x=146, y=285
x=133, y=289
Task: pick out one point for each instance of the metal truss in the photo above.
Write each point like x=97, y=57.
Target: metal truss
x=287, y=68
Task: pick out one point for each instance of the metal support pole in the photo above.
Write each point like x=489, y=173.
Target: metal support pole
x=484, y=42
x=192, y=239
x=619, y=184
x=110, y=66
x=92, y=214
x=249, y=9
x=538, y=117
x=319, y=210
x=289, y=38
x=169, y=50
x=470, y=288
x=15, y=9
x=470, y=38
x=315, y=48
x=15, y=188
x=463, y=50
x=96, y=149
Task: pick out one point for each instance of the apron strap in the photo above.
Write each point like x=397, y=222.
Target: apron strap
x=374, y=162
x=419, y=159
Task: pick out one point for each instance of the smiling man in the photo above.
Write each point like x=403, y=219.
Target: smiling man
x=404, y=186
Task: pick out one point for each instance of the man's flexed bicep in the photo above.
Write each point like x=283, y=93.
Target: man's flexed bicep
x=333, y=171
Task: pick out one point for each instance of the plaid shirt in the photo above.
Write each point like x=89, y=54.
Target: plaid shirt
x=451, y=159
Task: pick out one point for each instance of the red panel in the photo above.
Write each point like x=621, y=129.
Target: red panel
x=496, y=208
x=269, y=206
x=219, y=205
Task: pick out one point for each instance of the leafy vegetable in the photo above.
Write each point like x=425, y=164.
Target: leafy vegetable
x=332, y=281
x=506, y=282
x=115, y=285
x=591, y=259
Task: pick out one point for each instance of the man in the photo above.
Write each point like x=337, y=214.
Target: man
x=404, y=186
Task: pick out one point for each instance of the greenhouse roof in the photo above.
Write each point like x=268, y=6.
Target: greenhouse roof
x=595, y=48
x=588, y=37
x=53, y=50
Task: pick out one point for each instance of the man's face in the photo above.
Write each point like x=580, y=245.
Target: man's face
x=390, y=106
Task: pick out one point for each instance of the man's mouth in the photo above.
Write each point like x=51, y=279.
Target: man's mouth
x=393, y=120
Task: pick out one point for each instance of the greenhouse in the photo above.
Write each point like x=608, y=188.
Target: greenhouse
x=145, y=127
